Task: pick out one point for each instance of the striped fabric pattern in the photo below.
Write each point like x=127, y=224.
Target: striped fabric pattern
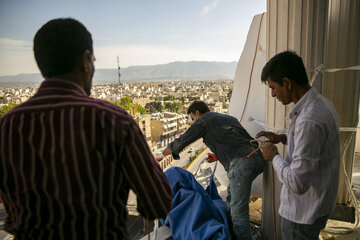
x=67, y=163
x=310, y=172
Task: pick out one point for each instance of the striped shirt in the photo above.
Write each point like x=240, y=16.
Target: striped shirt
x=67, y=163
x=310, y=173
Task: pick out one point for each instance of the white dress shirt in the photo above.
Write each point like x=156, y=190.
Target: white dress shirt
x=310, y=173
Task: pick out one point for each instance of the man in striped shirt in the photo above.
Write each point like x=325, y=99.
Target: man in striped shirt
x=68, y=161
x=310, y=171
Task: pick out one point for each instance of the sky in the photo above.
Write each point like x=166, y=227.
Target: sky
x=140, y=32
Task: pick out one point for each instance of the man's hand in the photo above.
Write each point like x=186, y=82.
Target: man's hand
x=167, y=151
x=273, y=137
x=211, y=158
x=269, y=151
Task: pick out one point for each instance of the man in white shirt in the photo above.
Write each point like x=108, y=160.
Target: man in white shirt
x=310, y=172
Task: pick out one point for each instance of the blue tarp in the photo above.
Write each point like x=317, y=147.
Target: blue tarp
x=196, y=213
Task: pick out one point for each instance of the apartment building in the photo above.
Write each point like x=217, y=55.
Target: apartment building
x=165, y=127
x=144, y=124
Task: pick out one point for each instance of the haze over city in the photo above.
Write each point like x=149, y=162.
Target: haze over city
x=139, y=32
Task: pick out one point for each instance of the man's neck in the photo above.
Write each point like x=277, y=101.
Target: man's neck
x=71, y=77
x=300, y=91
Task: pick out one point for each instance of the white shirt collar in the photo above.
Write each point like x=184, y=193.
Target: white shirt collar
x=310, y=94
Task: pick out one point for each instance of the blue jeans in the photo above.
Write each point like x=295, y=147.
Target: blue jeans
x=241, y=173
x=296, y=231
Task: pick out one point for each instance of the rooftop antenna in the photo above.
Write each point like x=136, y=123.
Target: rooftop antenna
x=119, y=75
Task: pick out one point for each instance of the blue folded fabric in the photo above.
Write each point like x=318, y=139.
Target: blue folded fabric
x=196, y=213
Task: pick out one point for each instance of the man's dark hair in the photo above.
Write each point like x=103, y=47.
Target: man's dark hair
x=198, y=106
x=58, y=45
x=286, y=64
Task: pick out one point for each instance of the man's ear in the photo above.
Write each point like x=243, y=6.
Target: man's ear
x=85, y=61
x=288, y=83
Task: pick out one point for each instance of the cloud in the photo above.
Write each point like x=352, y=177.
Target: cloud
x=209, y=7
x=16, y=56
x=7, y=44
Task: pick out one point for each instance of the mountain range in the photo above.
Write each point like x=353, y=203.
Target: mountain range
x=174, y=71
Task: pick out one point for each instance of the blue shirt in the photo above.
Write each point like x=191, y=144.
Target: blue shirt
x=223, y=134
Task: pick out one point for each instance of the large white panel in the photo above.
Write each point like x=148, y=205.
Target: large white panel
x=248, y=95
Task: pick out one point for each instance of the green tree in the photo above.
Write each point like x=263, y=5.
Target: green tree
x=193, y=98
x=183, y=100
x=229, y=93
x=153, y=107
x=126, y=103
x=173, y=106
x=169, y=98
x=4, y=109
x=140, y=109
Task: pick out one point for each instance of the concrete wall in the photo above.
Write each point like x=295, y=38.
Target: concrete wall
x=156, y=129
x=342, y=50
x=144, y=124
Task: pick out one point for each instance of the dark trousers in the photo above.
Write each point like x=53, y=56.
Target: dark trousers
x=296, y=231
x=242, y=171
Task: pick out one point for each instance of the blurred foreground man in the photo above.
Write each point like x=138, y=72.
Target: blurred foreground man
x=68, y=161
x=226, y=137
x=310, y=172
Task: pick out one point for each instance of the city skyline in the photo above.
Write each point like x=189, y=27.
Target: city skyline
x=139, y=32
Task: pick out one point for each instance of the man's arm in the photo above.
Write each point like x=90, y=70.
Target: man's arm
x=145, y=177
x=298, y=175
x=167, y=151
x=273, y=137
x=269, y=151
x=195, y=131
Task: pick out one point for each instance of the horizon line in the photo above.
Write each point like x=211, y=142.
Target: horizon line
x=144, y=65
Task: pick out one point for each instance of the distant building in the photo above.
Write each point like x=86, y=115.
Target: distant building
x=223, y=99
x=145, y=126
x=141, y=101
x=165, y=127
x=216, y=107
